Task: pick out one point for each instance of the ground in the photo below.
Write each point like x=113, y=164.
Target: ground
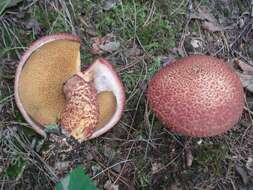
x=138, y=153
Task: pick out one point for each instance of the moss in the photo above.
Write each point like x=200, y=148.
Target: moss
x=156, y=34
x=211, y=157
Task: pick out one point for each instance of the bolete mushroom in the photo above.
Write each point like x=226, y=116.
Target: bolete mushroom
x=50, y=88
x=197, y=96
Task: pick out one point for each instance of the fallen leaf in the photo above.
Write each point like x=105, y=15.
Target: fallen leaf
x=117, y=168
x=110, y=186
x=249, y=166
x=168, y=60
x=203, y=13
x=174, y=186
x=133, y=52
x=189, y=158
x=109, y=153
x=109, y=4
x=196, y=43
x=243, y=174
x=246, y=75
x=246, y=68
x=61, y=165
x=104, y=44
x=156, y=167
x=247, y=81
x=110, y=46
x=209, y=21
x=34, y=25
x=212, y=26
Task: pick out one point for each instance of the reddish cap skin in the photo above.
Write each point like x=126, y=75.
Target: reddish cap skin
x=197, y=96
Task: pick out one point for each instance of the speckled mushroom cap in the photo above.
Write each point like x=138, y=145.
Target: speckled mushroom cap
x=197, y=96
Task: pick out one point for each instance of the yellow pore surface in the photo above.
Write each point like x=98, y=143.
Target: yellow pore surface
x=107, y=106
x=42, y=78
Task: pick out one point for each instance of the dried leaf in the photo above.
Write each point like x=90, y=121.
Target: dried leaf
x=34, y=25
x=110, y=186
x=203, y=13
x=104, y=44
x=61, y=165
x=168, y=60
x=249, y=166
x=196, y=43
x=110, y=46
x=247, y=81
x=109, y=4
x=156, y=167
x=247, y=69
x=212, y=26
x=133, y=52
x=210, y=23
x=246, y=75
x=189, y=158
x=243, y=174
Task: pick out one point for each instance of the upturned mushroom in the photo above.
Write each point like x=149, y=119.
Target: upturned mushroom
x=50, y=88
x=197, y=96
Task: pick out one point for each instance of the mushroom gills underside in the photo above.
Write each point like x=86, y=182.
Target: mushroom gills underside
x=42, y=78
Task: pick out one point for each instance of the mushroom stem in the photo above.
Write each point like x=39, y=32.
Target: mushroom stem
x=80, y=115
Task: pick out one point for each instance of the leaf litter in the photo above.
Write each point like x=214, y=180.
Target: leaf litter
x=246, y=75
x=105, y=44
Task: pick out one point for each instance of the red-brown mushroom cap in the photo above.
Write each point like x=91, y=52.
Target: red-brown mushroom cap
x=197, y=96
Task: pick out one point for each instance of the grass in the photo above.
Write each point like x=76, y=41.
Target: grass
x=156, y=28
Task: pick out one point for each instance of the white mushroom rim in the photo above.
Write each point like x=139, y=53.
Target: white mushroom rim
x=106, y=79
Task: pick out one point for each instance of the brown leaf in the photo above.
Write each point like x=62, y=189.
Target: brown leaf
x=249, y=166
x=107, y=5
x=189, y=158
x=243, y=174
x=110, y=186
x=156, y=166
x=168, y=60
x=110, y=46
x=34, y=25
x=212, y=26
x=104, y=44
x=133, y=52
x=247, y=81
x=203, y=13
x=210, y=23
x=246, y=75
x=247, y=69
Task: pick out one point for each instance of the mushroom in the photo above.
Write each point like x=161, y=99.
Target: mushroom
x=50, y=88
x=197, y=96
